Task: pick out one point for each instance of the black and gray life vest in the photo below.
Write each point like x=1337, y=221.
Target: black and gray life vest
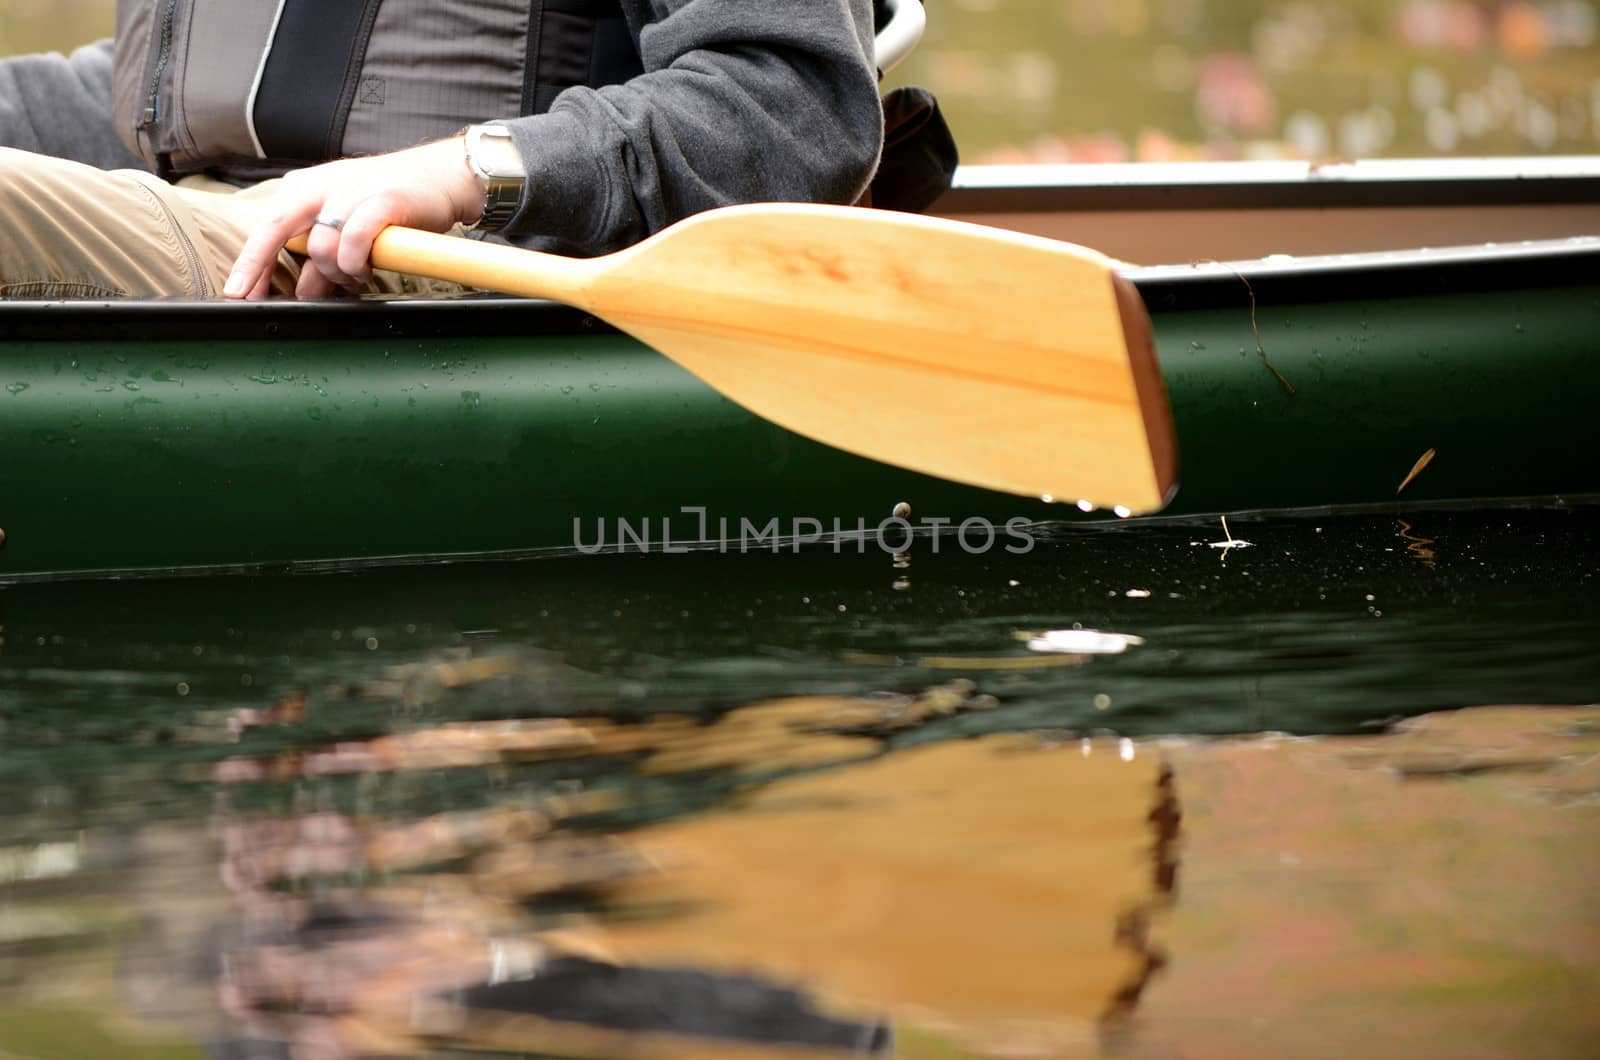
x=252, y=88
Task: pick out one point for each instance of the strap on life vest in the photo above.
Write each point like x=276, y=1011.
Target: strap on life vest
x=576, y=42
x=306, y=90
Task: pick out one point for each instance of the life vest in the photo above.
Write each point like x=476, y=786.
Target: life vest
x=248, y=89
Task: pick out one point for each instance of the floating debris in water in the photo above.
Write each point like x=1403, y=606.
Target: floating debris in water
x=1081, y=642
x=1422, y=461
x=1231, y=541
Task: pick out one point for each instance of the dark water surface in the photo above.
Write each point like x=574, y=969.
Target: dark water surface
x=1326, y=624
x=289, y=815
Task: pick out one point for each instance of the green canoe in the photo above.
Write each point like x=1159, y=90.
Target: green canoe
x=146, y=437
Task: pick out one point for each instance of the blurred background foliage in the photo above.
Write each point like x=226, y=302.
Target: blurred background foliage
x=1166, y=80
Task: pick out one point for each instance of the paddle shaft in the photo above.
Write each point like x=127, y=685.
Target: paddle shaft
x=478, y=263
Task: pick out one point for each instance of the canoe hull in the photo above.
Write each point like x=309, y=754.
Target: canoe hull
x=298, y=436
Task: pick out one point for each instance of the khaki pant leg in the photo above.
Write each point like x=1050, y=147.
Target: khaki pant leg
x=72, y=231
x=218, y=218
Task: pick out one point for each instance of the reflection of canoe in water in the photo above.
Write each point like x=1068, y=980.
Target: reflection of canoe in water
x=148, y=436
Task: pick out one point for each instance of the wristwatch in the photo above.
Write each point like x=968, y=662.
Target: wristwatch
x=493, y=157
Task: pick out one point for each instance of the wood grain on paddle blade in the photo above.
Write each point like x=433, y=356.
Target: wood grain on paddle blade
x=977, y=355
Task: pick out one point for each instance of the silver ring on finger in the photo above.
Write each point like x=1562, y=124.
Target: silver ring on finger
x=332, y=222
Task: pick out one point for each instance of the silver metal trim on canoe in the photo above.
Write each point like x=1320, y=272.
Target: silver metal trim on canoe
x=1284, y=265
x=1166, y=187
x=1210, y=174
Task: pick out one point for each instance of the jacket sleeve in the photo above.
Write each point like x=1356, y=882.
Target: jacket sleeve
x=740, y=101
x=57, y=105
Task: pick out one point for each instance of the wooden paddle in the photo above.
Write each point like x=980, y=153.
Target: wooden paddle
x=983, y=356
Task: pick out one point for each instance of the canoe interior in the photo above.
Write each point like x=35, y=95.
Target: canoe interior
x=153, y=437
x=1236, y=211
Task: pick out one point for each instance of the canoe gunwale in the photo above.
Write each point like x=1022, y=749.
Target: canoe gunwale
x=474, y=316
x=1158, y=187
x=1164, y=288
x=1384, y=274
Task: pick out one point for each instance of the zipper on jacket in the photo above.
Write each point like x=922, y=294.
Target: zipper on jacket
x=150, y=119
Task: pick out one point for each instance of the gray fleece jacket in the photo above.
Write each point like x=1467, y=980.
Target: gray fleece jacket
x=61, y=106
x=740, y=101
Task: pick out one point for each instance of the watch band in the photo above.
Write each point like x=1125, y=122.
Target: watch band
x=493, y=157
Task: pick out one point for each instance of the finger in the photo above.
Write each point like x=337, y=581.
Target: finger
x=313, y=284
x=370, y=217
x=259, y=255
x=323, y=241
x=262, y=289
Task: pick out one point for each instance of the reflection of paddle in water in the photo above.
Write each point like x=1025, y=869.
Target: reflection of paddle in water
x=1420, y=547
x=988, y=893
x=984, y=894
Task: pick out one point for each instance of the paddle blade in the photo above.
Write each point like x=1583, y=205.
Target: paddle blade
x=982, y=356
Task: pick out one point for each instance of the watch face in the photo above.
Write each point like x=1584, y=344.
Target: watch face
x=503, y=160
x=494, y=155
